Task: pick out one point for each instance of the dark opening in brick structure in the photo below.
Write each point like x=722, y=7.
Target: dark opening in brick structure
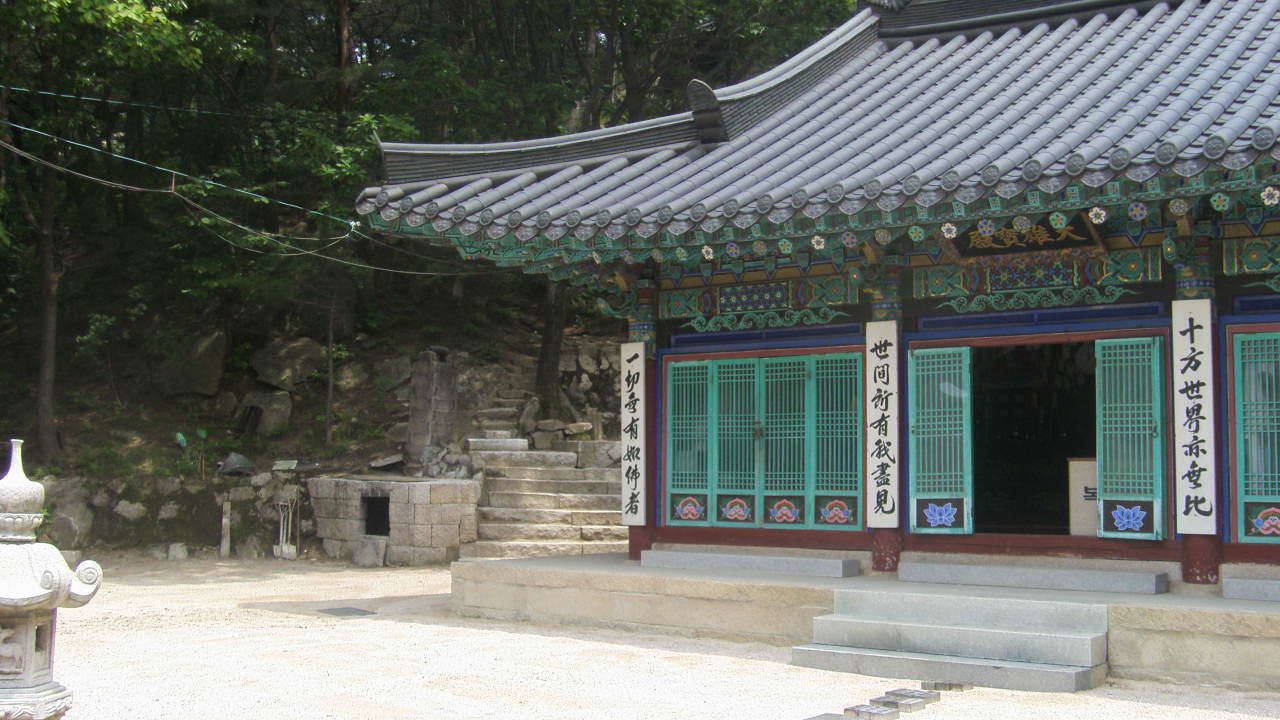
x=377, y=515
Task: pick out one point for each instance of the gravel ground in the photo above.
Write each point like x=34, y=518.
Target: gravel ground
x=204, y=638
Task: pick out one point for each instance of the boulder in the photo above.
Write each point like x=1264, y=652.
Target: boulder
x=577, y=428
x=350, y=376
x=275, y=409
x=235, y=464
x=168, y=511
x=71, y=524
x=177, y=551
x=392, y=372
x=196, y=367
x=284, y=363
x=130, y=510
x=225, y=405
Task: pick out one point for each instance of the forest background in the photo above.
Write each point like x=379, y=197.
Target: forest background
x=171, y=166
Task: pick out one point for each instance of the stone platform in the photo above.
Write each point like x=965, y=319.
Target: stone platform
x=1188, y=635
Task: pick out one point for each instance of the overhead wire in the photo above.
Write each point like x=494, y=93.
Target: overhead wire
x=190, y=204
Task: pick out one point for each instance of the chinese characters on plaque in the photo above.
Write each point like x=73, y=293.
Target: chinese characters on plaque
x=881, y=419
x=1195, y=447
x=633, y=435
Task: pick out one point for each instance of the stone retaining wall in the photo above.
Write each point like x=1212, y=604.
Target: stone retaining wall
x=429, y=518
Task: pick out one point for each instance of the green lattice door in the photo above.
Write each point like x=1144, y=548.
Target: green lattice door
x=1130, y=437
x=1257, y=436
x=765, y=442
x=941, y=443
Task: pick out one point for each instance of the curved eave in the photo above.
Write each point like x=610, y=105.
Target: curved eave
x=889, y=134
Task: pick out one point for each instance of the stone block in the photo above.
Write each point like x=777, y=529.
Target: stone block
x=550, y=425
x=420, y=493
x=443, y=536
x=323, y=507
x=446, y=492
x=427, y=514
x=470, y=493
x=401, y=534
x=347, y=508
x=467, y=529
x=400, y=513
x=452, y=514
x=320, y=487
x=420, y=536
x=577, y=428
x=333, y=548
x=400, y=494
x=370, y=552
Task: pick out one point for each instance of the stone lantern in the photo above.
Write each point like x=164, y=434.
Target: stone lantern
x=34, y=582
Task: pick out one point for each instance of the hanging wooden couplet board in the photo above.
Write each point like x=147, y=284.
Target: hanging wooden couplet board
x=1195, y=444
x=633, y=434
x=881, y=432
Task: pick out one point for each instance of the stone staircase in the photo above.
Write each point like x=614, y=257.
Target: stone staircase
x=538, y=502
x=1014, y=640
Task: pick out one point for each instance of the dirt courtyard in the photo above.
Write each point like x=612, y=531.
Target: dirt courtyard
x=204, y=638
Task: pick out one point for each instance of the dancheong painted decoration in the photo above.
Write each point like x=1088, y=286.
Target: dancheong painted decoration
x=958, y=275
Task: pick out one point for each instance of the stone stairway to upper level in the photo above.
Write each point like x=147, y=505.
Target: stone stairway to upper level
x=539, y=502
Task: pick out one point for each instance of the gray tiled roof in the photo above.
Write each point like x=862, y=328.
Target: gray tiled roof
x=854, y=121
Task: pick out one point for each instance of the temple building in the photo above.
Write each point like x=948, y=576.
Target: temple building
x=961, y=277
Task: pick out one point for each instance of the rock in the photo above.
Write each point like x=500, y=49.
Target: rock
x=392, y=372
x=577, y=428
x=398, y=432
x=235, y=464
x=226, y=404
x=386, y=462
x=196, y=367
x=588, y=363
x=130, y=510
x=370, y=552
x=177, y=551
x=544, y=440
x=274, y=408
x=168, y=511
x=567, y=363
x=284, y=363
x=101, y=499
x=260, y=479
x=550, y=425
x=249, y=547
x=158, y=551
x=169, y=485
x=529, y=416
x=350, y=376
x=70, y=524
x=241, y=494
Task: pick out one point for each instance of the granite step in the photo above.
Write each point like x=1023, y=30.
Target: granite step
x=553, y=501
x=551, y=531
x=547, y=515
x=1049, y=646
x=782, y=564
x=1008, y=674
x=509, y=425
x=1251, y=589
x=507, y=402
x=473, y=444
x=516, y=472
x=498, y=434
x=979, y=609
x=1023, y=576
x=526, y=458
x=498, y=413
x=594, y=487
x=500, y=549
x=514, y=394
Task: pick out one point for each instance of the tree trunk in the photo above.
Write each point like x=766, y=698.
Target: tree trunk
x=555, y=311
x=344, y=56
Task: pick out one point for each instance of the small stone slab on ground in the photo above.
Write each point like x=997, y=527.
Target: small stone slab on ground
x=900, y=704
x=945, y=686
x=870, y=711
x=928, y=696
